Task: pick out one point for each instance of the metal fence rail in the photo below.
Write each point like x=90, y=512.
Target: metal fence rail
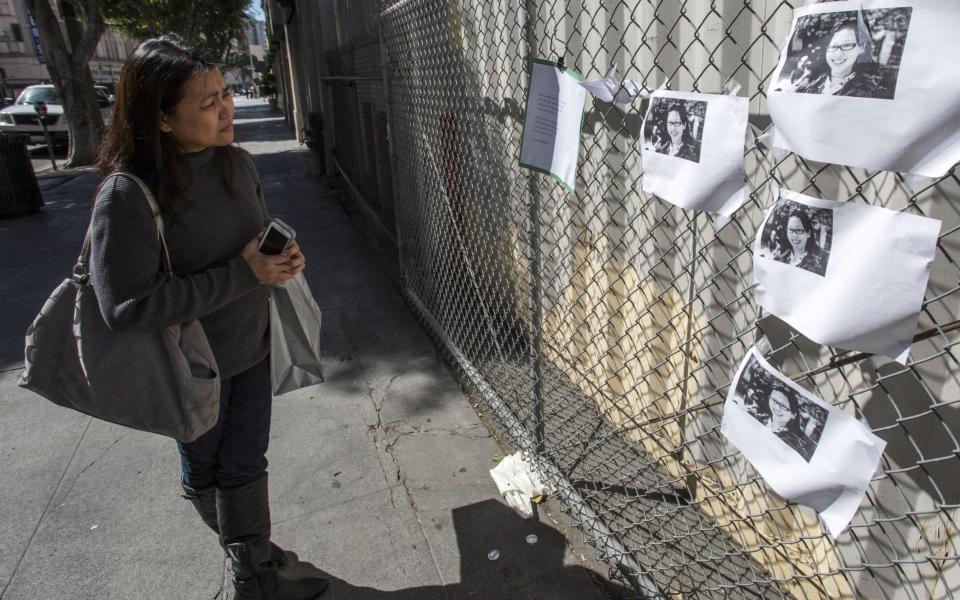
x=356, y=91
x=603, y=328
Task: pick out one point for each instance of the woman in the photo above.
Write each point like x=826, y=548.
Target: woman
x=679, y=142
x=172, y=126
x=783, y=422
x=843, y=76
x=802, y=249
x=783, y=411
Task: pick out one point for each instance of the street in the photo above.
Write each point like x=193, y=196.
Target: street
x=40, y=157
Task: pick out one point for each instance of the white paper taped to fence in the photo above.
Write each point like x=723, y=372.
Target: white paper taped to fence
x=693, y=148
x=613, y=89
x=518, y=483
x=875, y=88
x=809, y=452
x=551, y=126
x=844, y=274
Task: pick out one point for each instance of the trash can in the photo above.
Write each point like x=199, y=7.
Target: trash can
x=313, y=133
x=19, y=192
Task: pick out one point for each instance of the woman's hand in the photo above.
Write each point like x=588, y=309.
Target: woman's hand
x=270, y=269
x=295, y=259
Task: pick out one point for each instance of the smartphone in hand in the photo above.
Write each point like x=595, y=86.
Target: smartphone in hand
x=276, y=238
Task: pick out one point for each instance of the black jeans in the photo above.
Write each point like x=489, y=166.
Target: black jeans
x=234, y=451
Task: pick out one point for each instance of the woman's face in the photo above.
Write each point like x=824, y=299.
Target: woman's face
x=796, y=234
x=675, y=126
x=204, y=116
x=780, y=413
x=842, y=52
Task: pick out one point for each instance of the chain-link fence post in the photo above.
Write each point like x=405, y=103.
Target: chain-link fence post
x=536, y=259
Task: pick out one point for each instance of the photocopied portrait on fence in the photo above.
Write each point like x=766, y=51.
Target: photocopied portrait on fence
x=844, y=274
x=871, y=84
x=551, y=126
x=808, y=451
x=693, y=148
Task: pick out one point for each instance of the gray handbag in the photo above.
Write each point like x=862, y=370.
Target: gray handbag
x=294, y=337
x=163, y=381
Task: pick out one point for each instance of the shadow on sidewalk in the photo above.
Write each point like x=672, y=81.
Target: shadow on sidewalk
x=259, y=123
x=523, y=571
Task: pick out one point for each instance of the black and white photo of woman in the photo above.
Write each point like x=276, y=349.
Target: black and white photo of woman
x=674, y=127
x=679, y=141
x=843, y=76
x=802, y=249
x=798, y=422
x=785, y=422
x=852, y=53
x=798, y=235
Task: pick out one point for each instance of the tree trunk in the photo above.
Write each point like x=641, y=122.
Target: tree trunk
x=70, y=71
x=83, y=118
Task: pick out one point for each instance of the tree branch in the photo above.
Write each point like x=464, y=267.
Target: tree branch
x=93, y=28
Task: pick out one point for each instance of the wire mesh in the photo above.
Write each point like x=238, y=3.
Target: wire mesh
x=361, y=146
x=608, y=323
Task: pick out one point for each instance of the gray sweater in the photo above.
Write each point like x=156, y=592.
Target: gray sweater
x=210, y=281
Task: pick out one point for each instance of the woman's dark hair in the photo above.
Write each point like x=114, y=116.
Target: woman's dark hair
x=152, y=82
x=804, y=219
x=842, y=24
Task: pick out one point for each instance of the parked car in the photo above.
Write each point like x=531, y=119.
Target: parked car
x=104, y=95
x=22, y=117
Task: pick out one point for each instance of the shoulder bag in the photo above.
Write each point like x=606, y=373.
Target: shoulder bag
x=163, y=381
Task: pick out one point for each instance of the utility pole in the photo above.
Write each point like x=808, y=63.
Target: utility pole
x=41, y=109
x=250, y=56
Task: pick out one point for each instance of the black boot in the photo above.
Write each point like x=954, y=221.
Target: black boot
x=243, y=514
x=205, y=501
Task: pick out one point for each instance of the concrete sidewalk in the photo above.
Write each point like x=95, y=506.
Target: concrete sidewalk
x=378, y=477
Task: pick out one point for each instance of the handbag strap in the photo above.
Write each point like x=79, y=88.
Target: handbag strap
x=80, y=271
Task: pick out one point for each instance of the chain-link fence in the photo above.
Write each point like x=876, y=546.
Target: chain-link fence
x=602, y=328
x=356, y=91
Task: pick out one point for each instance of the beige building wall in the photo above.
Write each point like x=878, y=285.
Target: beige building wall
x=18, y=55
x=112, y=50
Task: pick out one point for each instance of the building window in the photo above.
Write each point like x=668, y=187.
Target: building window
x=16, y=32
x=5, y=9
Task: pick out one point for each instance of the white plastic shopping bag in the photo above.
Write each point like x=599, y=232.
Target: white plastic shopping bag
x=294, y=337
x=518, y=484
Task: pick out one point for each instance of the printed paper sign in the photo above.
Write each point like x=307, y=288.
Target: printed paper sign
x=871, y=84
x=809, y=452
x=844, y=274
x=693, y=150
x=551, y=127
